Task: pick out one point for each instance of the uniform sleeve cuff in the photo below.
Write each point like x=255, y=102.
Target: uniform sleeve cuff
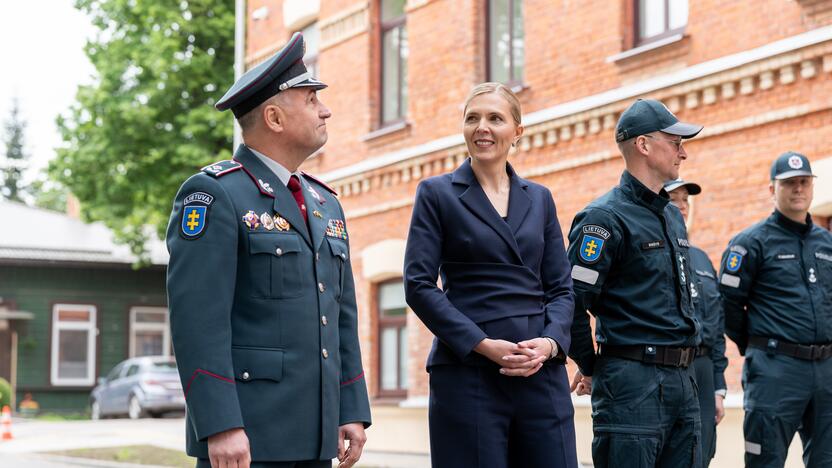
x=721, y=392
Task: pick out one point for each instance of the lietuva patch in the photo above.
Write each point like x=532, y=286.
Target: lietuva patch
x=592, y=243
x=733, y=262
x=195, y=214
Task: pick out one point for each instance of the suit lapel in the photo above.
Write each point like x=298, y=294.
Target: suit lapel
x=271, y=186
x=474, y=198
x=519, y=201
x=317, y=224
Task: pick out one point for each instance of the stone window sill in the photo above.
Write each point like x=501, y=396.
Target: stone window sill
x=386, y=130
x=650, y=46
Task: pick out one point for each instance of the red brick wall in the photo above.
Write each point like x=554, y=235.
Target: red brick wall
x=567, y=48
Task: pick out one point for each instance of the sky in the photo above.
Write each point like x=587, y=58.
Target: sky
x=43, y=62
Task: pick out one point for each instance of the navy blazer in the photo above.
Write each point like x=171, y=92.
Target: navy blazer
x=502, y=279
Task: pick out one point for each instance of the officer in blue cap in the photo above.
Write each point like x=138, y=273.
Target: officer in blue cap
x=776, y=280
x=261, y=291
x=631, y=269
x=710, y=363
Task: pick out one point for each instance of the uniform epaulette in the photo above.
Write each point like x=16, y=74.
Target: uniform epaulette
x=222, y=168
x=320, y=182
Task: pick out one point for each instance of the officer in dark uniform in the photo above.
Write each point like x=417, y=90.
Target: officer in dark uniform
x=260, y=288
x=631, y=270
x=776, y=279
x=710, y=363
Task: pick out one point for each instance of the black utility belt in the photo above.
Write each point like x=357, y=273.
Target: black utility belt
x=673, y=356
x=703, y=350
x=809, y=352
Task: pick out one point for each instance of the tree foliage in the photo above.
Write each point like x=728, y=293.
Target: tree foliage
x=14, y=162
x=147, y=122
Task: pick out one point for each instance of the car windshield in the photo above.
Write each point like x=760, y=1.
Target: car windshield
x=169, y=366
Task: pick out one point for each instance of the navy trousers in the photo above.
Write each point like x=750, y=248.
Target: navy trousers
x=784, y=395
x=703, y=368
x=644, y=416
x=203, y=463
x=480, y=418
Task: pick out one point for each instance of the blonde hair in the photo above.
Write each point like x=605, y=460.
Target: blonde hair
x=497, y=88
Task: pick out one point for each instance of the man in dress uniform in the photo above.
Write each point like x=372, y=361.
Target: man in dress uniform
x=261, y=292
x=776, y=280
x=710, y=363
x=631, y=270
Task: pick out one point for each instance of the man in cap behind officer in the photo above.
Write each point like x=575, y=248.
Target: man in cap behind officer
x=631, y=267
x=710, y=363
x=776, y=280
x=261, y=292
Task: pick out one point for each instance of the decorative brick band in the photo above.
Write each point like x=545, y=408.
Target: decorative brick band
x=346, y=24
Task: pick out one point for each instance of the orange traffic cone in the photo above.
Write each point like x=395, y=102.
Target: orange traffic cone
x=6, y=422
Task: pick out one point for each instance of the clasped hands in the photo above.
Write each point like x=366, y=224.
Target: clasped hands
x=521, y=359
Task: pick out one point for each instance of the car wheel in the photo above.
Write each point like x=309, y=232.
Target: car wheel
x=134, y=408
x=95, y=410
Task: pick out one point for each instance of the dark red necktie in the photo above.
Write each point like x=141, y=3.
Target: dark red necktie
x=297, y=193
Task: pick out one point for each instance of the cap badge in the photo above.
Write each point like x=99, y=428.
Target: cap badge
x=795, y=162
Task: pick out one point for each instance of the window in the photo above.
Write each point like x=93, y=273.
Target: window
x=73, y=345
x=133, y=370
x=312, y=39
x=657, y=19
x=506, y=58
x=392, y=342
x=394, y=52
x=149, y=332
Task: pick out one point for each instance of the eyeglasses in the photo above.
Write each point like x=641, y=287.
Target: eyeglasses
x=677, y=143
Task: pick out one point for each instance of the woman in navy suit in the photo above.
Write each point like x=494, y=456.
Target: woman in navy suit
x=499, y=394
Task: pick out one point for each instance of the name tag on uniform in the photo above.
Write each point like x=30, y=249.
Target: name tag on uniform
x=584, y=275
x=786, y=256
x=683, y=243
x=656, y=244
x=823, y=256
x=705, y=273
x=730, y=280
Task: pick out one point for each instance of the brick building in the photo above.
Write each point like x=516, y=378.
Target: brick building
x=757, y=74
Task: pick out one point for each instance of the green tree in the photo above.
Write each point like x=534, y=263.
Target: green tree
x=147, y=122
x=11, y=170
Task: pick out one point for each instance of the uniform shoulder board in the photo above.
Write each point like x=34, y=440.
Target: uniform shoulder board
x=320, y=182
x=222, y=168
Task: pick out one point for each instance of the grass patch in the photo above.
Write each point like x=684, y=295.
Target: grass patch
x=62, y=416
x=138, y=454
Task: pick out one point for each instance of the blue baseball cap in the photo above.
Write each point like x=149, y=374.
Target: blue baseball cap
x=282, y=71
x=649, y=115
x=790, y=164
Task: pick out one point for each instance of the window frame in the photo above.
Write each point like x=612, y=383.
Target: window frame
x=513, y=81
x=384, y=28
x=639, y=41
x=163, y=327
x=399, y=323
x=91, y=327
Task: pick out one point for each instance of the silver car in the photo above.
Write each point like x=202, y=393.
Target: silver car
x=138, y=387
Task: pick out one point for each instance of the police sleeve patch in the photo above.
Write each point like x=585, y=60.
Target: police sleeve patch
x=592, y=243
x=733, y=262
x=195, y=214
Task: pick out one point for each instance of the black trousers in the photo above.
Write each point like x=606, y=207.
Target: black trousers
x=480, y=418
x=703, y=368
x=203, y=463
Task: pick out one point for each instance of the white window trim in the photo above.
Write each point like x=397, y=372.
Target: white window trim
x=163, y=327
x=90, y=327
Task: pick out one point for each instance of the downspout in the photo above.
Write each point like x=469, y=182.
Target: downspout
x=239, y=55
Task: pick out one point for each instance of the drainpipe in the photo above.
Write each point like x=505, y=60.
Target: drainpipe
x=239, y=55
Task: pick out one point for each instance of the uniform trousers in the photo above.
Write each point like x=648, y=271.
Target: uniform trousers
x=703, y=369
x=644, y=415
x=480, y=418
x=203, y=463
x=784, y=395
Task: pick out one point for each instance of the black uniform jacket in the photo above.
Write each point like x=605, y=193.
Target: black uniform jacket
x=501, y=279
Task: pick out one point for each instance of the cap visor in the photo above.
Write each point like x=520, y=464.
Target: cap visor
x=693, y=188
x=790, y=174
x=682, y=129
x=311, y=83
